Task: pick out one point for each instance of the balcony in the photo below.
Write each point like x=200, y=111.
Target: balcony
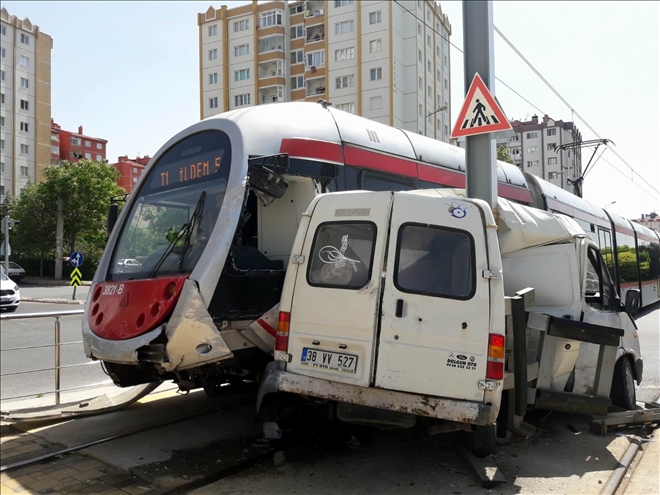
x=314, y=8
x=315, y=87
x=271, y=94
x=315, y=33
x=55, y=150
x=271, y=43
x=274, y=68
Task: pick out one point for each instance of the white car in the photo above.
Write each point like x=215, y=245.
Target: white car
x=10, y=295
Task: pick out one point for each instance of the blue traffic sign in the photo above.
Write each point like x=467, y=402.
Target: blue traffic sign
x=77, y=259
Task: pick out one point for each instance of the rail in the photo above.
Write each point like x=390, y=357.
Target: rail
x=56, y=345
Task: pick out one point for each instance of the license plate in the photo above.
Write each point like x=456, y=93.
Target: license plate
x=5, y=299
x=329, y=360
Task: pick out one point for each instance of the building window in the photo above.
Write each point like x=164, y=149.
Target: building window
x=376, y=74
x=99, y=157
x=2, y=121
x=428, y=40
x=344, y=27
x=2, y=188
x=297, y=57
x=2, y=75
x=420, y=83
x=552, y=161
x=316, y=59
x=2, y=98
x=4, y=31
x=213, y=102
x=346, y=107
x=429, y=92
x=99, y=146
x=374, y=17
x=551, y=132
x=24, y=127
x=213, y=30
x=297, y=31
x=3, y=52
x=374, y=46
x=445, y=60
x=533, y=163
x=240, y=100
x=25, y=149
x=134, y=179
x=344, y=82
x=243, y=25
x=446, y=84
x=420, y=56
x=271, y=43
x=429, y=66
x=88, y=144
x=376, y=103
x=437, y=74
x=532, y=149
x=25, y=83
x=297, y=82
x=344, y=54
x=213, y=78
x=420, y=110
x=272, y=18
x=551, y=146
x=24, y=61
x=25, y=39
x=242, y=75
x=419, y=28
x=532, y=135
x=241, y=50
x=343, y=3
x=24, y=171
x=2, y=144
x=437, y=50
x=88, y=156
x=2, y=167
x=213, y=54
x=76, y=141
x=296, y=9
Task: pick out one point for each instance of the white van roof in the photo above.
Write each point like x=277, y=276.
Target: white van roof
x=521, y=227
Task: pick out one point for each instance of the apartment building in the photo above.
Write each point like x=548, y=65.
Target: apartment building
x=25, y=108
x=130, y=170
x=73, y=146
x=534, y=148
x=387, y=61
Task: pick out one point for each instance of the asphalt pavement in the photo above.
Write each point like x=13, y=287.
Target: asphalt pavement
x=57, y=292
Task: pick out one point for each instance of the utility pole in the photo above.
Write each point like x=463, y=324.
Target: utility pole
x=481, y=155
x=59, y=239
x=5, y=230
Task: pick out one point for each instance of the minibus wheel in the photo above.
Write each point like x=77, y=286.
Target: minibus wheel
x=623, y=385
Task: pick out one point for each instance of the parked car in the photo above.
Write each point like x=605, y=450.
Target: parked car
x=128, y=265
x=10, y=295
x=15, y=272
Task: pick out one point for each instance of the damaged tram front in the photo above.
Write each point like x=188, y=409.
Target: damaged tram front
x=198, y=255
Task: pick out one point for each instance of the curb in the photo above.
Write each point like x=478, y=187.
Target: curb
x=52, y=300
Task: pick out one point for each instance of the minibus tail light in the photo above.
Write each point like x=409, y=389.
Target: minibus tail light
x=495, y=364
x=282, y=335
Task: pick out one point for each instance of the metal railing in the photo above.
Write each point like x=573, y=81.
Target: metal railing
x=57, y=345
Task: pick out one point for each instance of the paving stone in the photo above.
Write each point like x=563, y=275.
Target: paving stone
x=10, y=453
x=89, y=475
x=87, y=465
x=136, y=490
x=75, y=488
x=10, y=483
x=98, y=488
x=67, y=472
x=12, y=444
x=43, y=483
x=28, y=448
x=116, y=478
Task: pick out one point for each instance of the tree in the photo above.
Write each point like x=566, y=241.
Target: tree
x=504, y=155
x=86, y=188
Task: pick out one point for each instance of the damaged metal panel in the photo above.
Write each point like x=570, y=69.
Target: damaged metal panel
x=192, y=337
x=421, y=405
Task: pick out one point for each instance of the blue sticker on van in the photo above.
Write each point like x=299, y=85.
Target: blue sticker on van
x=457, y=211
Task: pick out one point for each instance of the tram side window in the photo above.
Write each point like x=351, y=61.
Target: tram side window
x=370, y=181
x=606, y=249
x=626, y=259
x=648, y=267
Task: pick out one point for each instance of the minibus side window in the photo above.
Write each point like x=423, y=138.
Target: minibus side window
x=435, y=261
x=342, y=255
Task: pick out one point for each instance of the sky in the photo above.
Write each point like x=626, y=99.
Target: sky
x=128, y=72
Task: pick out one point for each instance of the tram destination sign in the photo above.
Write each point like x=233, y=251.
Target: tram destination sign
x=178, y=173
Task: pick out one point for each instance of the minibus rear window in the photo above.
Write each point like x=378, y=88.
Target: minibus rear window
x=342, y=255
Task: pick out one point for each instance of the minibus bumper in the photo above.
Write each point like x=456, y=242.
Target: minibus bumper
x=275, y=380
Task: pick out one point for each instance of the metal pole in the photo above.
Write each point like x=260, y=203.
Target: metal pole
x=57, y=361
x=74, y=292
x=5, y=226
x=481, y=155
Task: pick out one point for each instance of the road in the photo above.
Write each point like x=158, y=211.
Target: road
x=30, y=332
x=57, y=292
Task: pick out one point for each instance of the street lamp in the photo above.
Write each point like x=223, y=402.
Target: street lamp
x=426, y=120
x=608, y=204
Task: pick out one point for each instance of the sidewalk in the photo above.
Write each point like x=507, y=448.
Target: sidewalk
x=47, y=282
x=646, y=477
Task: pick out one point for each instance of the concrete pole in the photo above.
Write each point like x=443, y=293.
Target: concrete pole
x=59, y=239
x=5, y=228
x=481, y=155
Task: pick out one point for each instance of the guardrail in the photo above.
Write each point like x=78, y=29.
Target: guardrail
x=57, y=345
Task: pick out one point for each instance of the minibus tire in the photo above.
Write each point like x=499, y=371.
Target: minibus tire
x=483, y=440
x=623, y=385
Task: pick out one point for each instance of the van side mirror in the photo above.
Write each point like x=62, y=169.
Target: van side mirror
x=632, y=301
x=113, y=214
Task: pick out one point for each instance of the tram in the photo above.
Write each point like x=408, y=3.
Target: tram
x=211, y=223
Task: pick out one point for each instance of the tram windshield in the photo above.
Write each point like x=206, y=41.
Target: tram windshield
x=175, y=211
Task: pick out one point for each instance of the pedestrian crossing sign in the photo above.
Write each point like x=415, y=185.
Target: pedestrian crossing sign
x=76, y=277
x=480, y=113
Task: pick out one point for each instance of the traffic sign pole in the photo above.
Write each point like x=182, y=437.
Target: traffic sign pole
x=481, y=155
